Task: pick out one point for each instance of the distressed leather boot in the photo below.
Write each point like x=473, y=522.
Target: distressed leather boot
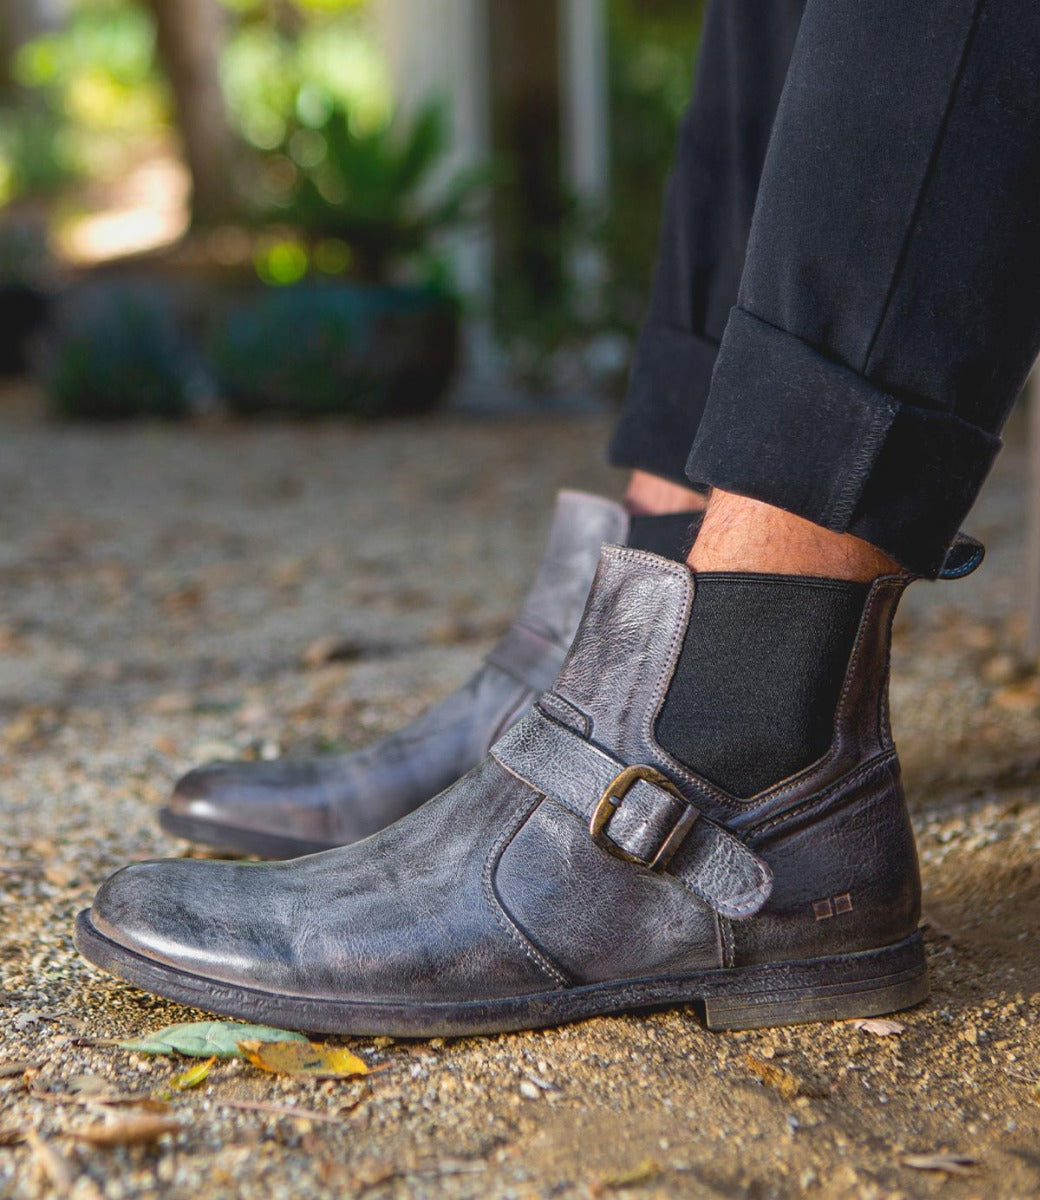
x=289, y=807
x=580, y=869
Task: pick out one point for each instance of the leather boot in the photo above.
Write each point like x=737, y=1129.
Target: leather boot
x=578, y=870
x=289, y=807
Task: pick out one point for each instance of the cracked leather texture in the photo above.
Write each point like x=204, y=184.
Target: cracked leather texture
x=813, y=829
x=338, y=799
x=491, y=889
x=401, y=915
x=569, y=770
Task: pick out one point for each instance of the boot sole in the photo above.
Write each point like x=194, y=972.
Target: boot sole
x=236, y=840
x=865, y=984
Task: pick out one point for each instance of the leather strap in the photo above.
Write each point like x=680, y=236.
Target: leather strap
x=963, y=556
x=529, y=657
x=649, y=824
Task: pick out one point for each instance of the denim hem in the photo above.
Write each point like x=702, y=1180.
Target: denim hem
x=667, y=390
x=787, y=426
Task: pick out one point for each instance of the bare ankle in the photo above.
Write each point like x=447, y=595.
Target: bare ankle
x=740, y=534
x=654, y=496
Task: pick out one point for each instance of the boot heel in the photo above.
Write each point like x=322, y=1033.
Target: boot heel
x=837, y=988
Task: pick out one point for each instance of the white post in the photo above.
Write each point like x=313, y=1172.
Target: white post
x=585, y=124
x=438, y=49
x=585, y=118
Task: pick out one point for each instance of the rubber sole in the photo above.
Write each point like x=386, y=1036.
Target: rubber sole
x=236, y=840
x=867, y=984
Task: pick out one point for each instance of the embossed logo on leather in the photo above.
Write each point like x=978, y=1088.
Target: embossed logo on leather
x=832, y=906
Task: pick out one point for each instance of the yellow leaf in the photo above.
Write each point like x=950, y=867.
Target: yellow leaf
x=312, y=1060
x=193, y=1076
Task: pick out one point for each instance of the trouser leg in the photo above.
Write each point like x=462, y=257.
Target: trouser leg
x=708, y=206
x=889, y=310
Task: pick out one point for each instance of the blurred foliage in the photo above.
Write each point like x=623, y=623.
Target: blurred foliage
x=35, y=156
x=81, y=94
x=367, y=199
x=277, y=72
x=98, y=70
x=116, y=352
x=587, y=315
x=342, y=190
x=93, y=85
x=653, y=45
x=312, y=350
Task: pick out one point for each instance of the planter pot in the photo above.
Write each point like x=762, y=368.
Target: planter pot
x=115, y=351
x=23, y=312
x=325, y=349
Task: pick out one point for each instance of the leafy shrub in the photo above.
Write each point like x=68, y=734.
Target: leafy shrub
x=317, y=349
x=116, y=352
x=370, y=189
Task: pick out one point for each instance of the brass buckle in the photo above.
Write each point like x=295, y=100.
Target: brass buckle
x=608, y=804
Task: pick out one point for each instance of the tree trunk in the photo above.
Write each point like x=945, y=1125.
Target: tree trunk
x=189, y=35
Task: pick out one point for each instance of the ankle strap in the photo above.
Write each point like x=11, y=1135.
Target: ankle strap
x=635, y=813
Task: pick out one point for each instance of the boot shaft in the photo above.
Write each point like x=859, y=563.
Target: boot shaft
x=836, y=834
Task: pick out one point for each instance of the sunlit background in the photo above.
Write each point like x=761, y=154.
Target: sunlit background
x=426, y=187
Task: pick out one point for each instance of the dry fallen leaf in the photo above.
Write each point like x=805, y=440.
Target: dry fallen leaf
x=193, y=1076
x=331, y=649
x=87, y=1086
x=9, y=1070
x=54, y=1168
x=789, y=1086
x=879, y=1026
x=313, y=1060
x=952, y=1164
x=130, y=1131
x=643, y=1172
x=288, y=1110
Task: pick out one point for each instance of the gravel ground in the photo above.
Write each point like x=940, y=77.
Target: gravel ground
x=168, y=595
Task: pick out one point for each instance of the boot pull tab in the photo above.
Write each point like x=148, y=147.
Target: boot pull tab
x=963, y=556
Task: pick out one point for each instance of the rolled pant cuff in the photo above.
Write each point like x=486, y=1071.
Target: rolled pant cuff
x=787, y=426
x=667, y=390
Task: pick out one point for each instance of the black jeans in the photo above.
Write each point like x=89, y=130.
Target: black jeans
x=888, y=311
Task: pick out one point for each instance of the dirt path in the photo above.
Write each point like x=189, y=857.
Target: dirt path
x=159, y=593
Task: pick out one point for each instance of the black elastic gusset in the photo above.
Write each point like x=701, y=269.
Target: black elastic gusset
x=671, y=535
x=757, y=683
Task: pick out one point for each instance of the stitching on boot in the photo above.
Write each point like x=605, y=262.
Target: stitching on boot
x=877, y=766
x=726, y=942
x=581, y=724
x=745, y=903
x=521, y=816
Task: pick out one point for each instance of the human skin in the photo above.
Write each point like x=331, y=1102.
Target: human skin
x=740, y=534
x=655, y=496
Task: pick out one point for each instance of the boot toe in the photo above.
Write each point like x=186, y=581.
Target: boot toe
x=276, y=809
x=160, y=910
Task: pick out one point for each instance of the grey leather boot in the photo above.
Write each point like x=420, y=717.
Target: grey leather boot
x=290, y=807
x=578, y=870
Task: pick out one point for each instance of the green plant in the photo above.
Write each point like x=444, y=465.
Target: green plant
x=652, y=53
x=287, y=65
x=116, y=352
x=97, y=73
x=315, y=350
x=35, y=158
x=371, y=190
